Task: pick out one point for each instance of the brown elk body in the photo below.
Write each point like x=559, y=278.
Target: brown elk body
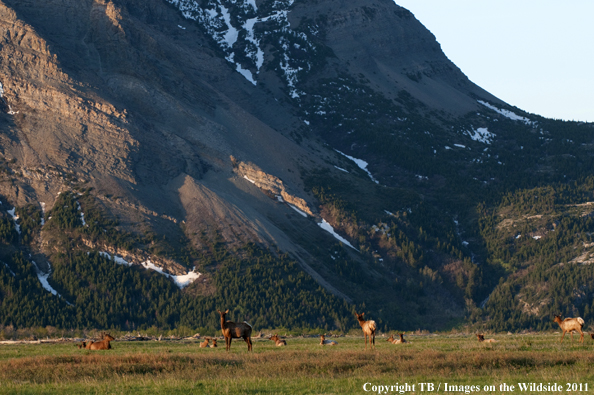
x=570, y=325
x=214, y=343
x=481, y=338
x=204, y=344
x=324, y=342
x=103, y=344
x=235, y=330
x=368, y=329
x=278, y=341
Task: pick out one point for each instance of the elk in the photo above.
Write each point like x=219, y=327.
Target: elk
x=481, y=338
x=277, y=340
x=324, y=342
x=204, y=344
x=570, y=325
x=396, y=341
x=102, y=345
x=368, y=329
x=214, y=343
x=235, y=330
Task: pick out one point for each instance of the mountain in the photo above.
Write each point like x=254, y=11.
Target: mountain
x=292, y=160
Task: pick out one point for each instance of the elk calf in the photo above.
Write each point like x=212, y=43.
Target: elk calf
x=278, y=341
x=204, y=344
x=397, y=341
x=324, y=342
x=481, y=338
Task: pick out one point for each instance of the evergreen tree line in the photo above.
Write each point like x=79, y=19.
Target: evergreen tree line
x=543, y=276
x=268, y=289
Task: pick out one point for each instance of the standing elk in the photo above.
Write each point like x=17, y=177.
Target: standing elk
x=234, y=330
x=481, y=339
x=277, y=340
x=570, y=325
x=368, y=329
x=324, y=342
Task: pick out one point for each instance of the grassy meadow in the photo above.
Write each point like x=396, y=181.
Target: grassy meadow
x=303, y=367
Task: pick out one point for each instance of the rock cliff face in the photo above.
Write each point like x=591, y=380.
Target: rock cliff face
x=269, y=184
x=129, y=95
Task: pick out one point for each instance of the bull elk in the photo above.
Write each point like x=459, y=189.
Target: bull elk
x=235, y=330
x=368, y=329
x=570, y=325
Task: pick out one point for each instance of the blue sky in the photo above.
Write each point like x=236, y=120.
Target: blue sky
x=537, y=55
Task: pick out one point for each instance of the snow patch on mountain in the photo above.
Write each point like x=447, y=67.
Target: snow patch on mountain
x=232, y=27
x=361, y=163
x=481, y=135
x=8, y=268
x=42, y=204
x=181, y=281
x=303, y=213
x=328, y=228
x=15, y=218
x=43, y=279
x=506, y=113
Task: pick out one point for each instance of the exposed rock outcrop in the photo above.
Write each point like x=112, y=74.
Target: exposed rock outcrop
x=137, y=257
x=269, y=183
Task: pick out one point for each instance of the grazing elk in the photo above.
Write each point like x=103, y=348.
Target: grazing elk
x=103, y=344
x=234, y=330
x=278, y=341
x=324, y=342
x=570, y=325
x=396, y=341
x=204, y=344
x=368, y=329
x=481, y=339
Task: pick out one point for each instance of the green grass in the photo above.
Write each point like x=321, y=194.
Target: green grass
x=302, y=367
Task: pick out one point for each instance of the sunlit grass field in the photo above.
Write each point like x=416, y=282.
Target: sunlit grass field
x=303, y=367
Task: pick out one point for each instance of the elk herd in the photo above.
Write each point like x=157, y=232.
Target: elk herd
x=243, y=330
